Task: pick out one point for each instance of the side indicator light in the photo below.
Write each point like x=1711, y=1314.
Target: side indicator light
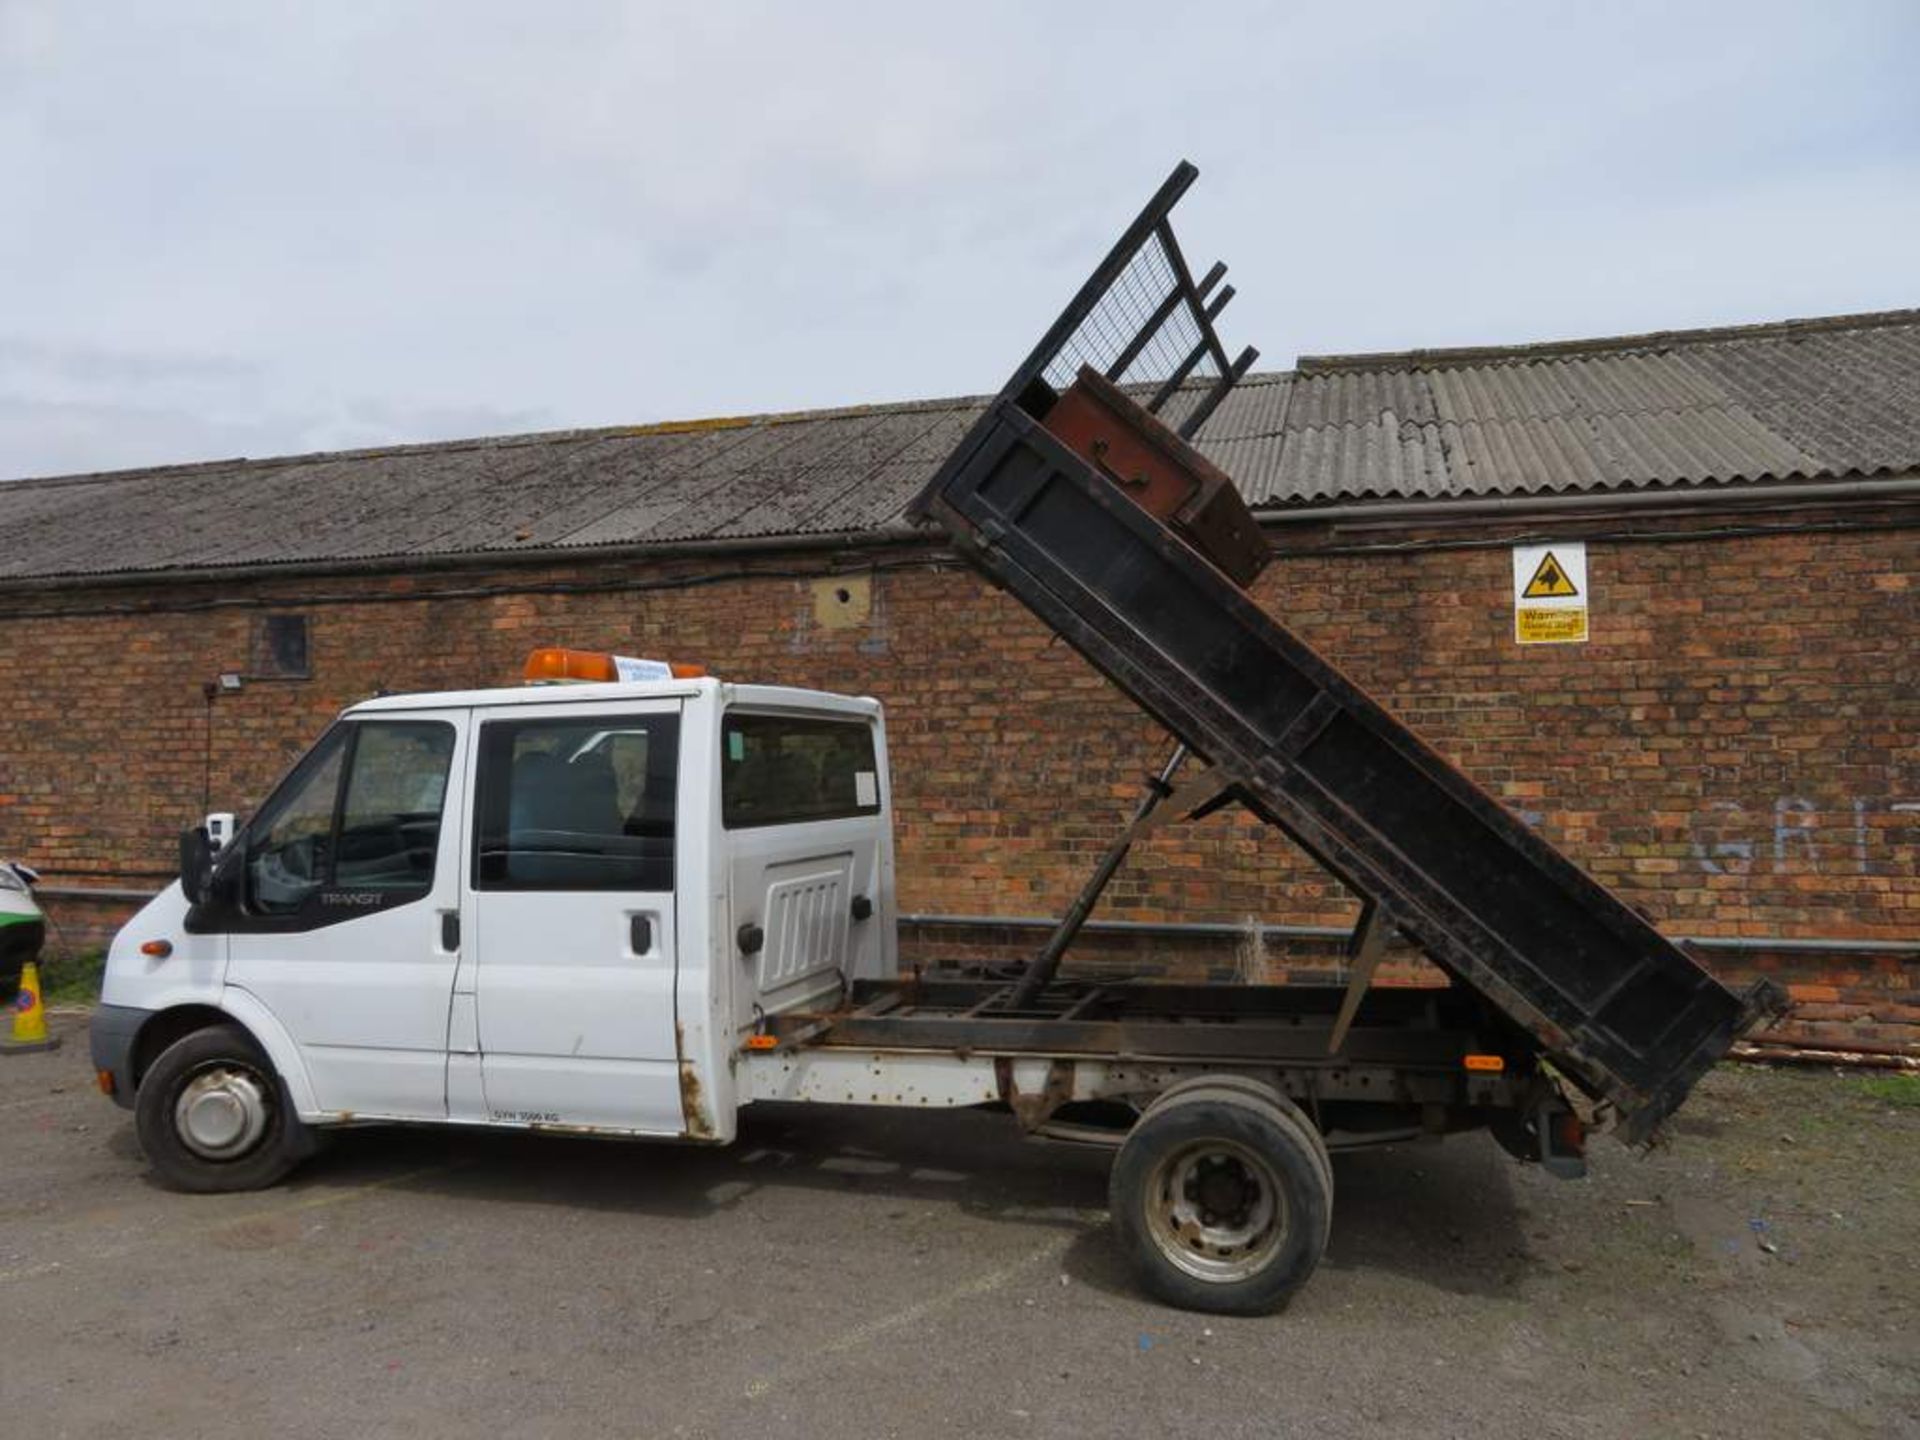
x=104, y=1079
x=1491, y=1064
x=763, y=1042
x=157, y=949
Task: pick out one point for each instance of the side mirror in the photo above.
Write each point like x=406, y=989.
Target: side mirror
x=196, y=864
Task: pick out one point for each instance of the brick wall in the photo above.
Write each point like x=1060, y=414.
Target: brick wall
x=1735, y=750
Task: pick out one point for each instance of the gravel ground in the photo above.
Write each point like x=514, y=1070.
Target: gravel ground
x=861, y=1273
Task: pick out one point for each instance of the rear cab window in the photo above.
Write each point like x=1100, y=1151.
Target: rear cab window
x=790, y=770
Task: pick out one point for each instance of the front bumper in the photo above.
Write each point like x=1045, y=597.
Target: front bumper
x=111, y=1037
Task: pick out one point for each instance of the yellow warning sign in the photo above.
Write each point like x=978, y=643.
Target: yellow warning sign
x=1549, y=627
x=1550, y=581
x=1550, y=593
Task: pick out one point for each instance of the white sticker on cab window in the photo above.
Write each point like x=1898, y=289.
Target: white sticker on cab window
x=866, y=788
x=736, y=745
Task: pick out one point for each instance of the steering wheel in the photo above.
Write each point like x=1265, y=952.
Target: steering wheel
x=296, y=860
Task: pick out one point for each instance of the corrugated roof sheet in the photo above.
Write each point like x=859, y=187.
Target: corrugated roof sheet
x=1802, y=399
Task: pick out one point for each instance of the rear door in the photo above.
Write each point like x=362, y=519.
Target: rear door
x=572, y=915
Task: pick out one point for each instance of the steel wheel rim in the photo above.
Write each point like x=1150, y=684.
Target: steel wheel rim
x=223, y=1110
x=1216, y=1211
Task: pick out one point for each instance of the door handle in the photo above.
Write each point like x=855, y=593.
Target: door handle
x=640, y=934
x=450, y=930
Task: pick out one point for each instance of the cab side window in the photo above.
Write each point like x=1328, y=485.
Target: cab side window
x=577, y=804
x=361, y=813
x=290, y=843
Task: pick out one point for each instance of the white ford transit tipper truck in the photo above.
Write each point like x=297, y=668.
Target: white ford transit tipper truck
x=632, y=906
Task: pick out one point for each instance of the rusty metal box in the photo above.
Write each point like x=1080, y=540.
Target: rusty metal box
x=1159, y=471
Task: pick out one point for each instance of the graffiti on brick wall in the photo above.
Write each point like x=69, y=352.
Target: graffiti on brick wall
x=1794, y=835
x=1798, y=834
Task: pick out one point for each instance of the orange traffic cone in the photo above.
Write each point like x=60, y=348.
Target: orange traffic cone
x=29, y=1017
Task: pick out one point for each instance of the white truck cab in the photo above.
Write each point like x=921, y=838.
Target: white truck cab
x=560, y=906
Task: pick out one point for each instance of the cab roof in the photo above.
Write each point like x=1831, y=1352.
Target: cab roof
x=773, y=697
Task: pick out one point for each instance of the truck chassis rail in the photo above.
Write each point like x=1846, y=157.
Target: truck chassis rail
x=952, y=1041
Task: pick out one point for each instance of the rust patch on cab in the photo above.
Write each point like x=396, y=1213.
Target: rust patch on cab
x=693, y=1100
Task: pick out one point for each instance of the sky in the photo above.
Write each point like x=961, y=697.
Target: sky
x=266, y=228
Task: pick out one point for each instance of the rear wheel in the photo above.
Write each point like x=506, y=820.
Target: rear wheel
x=1222, y=1197
x=212, y=1115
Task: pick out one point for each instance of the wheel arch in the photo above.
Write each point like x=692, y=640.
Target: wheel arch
x=241, y=1011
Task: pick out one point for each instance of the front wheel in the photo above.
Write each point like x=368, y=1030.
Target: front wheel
x=1222, y=1198
x=213, y=1116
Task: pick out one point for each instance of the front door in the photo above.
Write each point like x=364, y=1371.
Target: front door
x=572, y=908
x=347, y=874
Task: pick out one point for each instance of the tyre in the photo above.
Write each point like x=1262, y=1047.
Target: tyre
x=1222, y=1197
x=1283, y=1109
x=212, y=1115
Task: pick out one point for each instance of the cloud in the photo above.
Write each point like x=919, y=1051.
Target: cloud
x=276, y=224
x=68, y=438
x=73, y=408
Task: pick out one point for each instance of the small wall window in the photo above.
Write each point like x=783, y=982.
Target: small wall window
x=779, y=770
x=279, y=648
x=577, y=804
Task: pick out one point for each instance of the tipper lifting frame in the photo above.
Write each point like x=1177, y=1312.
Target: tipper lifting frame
x=1616, y=1007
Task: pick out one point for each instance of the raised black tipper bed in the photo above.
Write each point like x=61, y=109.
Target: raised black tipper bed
x=1077, y=494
